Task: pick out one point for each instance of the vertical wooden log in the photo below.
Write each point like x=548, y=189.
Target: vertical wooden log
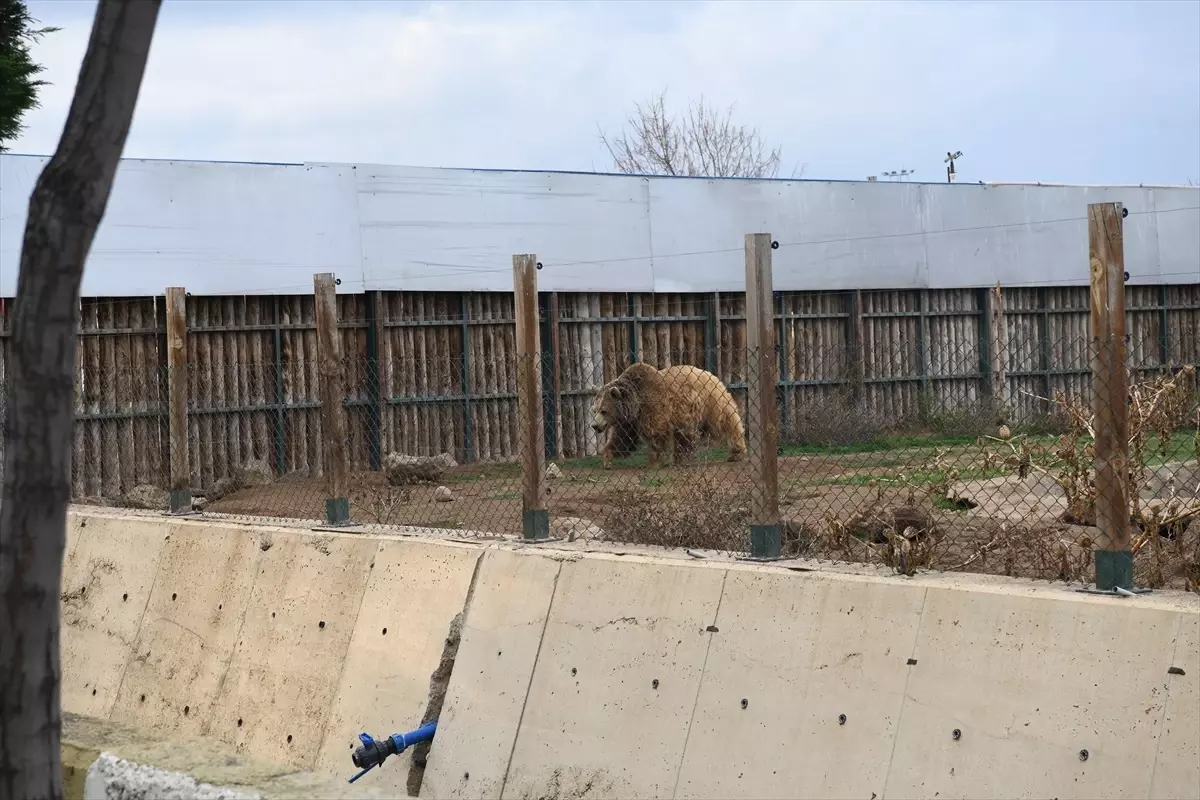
x=635, y=354
x=468, y=453
x=1164, y=340
x=925, y=398
x=1045, y=363
x=374, y=401
x=781, y=332
x=712, y=332
x=548, y=304
x=278, y=393
x=535, y=521
x=1114, y=558
x=109, y=433
x=997, y=352
x=332, y=393
x=858, y=371
x=762, y=430
x=177, y=388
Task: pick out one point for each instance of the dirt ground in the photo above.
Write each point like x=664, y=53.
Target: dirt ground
x=705, y=505
x=487, y=498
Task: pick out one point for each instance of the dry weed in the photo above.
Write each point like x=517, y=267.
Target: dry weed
x=703, y=513
x=891, y=530
x=381, y=504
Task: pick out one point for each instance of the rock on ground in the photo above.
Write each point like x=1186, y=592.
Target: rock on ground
x=222, y=487
x=401, y=469
x=553, y=471
x=112, y=778
x=255, y=472
x=443, y=494
x=572, y=528
x=146, y=496
x=1039, y=498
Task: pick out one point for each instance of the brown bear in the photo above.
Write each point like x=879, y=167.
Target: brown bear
x=640, y=404
x=720, y=418
x=667, y=407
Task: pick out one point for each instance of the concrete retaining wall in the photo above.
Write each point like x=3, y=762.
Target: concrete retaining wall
x=605, y=675
x=267, y=639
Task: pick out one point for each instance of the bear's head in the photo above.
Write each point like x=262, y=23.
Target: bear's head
x=615, y=405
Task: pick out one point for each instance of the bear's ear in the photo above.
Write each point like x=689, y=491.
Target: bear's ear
x=615, y=392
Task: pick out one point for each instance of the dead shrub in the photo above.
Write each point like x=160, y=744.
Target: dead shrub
x=381, y=504
x=703, y=513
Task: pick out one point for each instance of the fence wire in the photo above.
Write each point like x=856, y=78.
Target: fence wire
x=900, y=445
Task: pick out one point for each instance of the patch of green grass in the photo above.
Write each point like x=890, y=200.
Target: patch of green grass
x=880, y=444
x=917, y=478
x=463, y=477
x=503, y=496
x=910, y=448
x=639, y=458
x=1181, y=447
x=896, y=460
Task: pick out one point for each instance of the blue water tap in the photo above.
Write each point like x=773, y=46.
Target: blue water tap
x=373, y=753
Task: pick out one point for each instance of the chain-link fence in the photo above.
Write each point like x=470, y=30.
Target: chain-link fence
x=936, y=472
x=940, y=475
x=906, y=435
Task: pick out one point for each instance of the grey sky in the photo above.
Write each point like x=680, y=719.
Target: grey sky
x=1079, y=92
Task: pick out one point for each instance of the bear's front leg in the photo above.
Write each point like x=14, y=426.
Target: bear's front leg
x=658, y=449
x=610, y=443
x=685, y=445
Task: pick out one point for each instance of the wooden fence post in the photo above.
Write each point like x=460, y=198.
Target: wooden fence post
x=1114, y=557
x=333, y=395
x=535, y=520
x=177, y=403
x=762, y=412
x=997, y=338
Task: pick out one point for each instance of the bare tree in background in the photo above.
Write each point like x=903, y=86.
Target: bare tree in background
x=704, y=141
x=65, y=209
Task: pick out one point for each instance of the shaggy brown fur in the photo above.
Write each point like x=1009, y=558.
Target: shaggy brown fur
x=622, y=441
x=720, y=418
x=667, y=407
x=640, y=402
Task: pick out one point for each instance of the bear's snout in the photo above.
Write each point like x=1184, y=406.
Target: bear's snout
x=597, y=427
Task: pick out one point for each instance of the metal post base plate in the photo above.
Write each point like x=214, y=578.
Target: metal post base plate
x=337, y=511
x=766, y=543
x=535, y=525
x=1114, y=568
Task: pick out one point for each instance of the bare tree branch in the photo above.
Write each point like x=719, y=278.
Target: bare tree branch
x=65, y=209
x=704, y=141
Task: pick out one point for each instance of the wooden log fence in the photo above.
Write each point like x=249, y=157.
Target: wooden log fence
x=431, y=372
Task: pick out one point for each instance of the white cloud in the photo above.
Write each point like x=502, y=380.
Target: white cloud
x=849, y=88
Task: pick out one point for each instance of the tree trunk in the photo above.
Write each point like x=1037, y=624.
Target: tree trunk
x=67, y=205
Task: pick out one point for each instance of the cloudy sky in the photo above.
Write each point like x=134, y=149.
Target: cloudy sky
x=1079, y=91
